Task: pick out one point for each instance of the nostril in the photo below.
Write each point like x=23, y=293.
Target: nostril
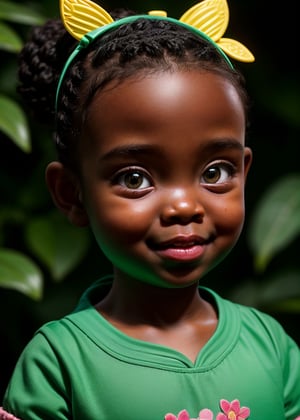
x=180, y=218
x=183, y=214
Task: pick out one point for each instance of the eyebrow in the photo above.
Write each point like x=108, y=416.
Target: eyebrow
x=136, y=150
x=131, y=150
x=224, y=144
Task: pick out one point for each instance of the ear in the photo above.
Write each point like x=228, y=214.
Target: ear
x=65, y=190
x=247, y=161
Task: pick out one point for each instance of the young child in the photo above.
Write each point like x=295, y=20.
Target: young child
x=150, y=132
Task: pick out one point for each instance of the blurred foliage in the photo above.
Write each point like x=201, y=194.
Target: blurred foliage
x=48, y=238
x=45, y=263
x=275, y=221
x=18, y=272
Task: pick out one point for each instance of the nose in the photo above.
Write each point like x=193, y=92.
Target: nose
x=182, y=206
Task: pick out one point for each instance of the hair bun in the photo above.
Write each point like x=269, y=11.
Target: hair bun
x=40, y=63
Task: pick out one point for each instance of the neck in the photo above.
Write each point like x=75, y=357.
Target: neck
x=135, y=302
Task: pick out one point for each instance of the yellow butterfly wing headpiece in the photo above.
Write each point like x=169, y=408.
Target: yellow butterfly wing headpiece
x=83, y=16
x=210, y=17
x=86, y=21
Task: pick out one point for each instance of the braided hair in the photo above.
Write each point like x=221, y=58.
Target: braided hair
x=134, y=49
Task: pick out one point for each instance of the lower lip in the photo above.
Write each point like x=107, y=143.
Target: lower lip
x=182, y=254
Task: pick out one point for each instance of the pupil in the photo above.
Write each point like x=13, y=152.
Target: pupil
x=133, y=180
x=213, y=174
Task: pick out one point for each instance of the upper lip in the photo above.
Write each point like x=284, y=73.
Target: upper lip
x=181, y=241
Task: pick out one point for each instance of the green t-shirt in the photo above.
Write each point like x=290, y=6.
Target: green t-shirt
x=81, y=367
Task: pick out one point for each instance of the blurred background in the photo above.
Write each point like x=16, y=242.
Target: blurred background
x=45, y=264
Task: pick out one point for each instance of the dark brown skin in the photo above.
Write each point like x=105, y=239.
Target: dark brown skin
x=162, y=171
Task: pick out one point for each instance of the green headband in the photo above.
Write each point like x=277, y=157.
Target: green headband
x=91, y=36
x=86, y=21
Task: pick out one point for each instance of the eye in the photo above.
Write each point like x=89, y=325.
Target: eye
x=133, y=179
x=218, y=173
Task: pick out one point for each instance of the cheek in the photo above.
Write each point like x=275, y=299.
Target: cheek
x=233, y=222
x=122, y=221
x=229, y=214
x=120, y=228
x=228, y=219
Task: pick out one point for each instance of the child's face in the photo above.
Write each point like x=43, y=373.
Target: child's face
x=163, y=167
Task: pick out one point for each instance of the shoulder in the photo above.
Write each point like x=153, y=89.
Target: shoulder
x=43, y=371
x=37, y=377
x=261, y=323
x=256, y=326
x=80, y=323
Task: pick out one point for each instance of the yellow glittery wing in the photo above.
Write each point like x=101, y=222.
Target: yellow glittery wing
x=83, y=16
x=236, y=50
x=212, y=17
x=209, y=16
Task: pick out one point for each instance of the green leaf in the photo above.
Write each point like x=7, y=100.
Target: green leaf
x=18, y=272
x=9, y=39
x=276, y=220
x=58, y=244
x=18, y=13
x=279, y=287
x=288, y=306
x=279, y=291
x=13, y=123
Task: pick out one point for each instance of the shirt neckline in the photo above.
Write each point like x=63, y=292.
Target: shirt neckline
x=126, y=348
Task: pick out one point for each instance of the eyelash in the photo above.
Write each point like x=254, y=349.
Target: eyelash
x=120, y=177
x=220, y=166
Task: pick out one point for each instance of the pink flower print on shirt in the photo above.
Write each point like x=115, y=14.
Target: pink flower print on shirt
x=204, y=414
x=4, y=415
x=183, y=415
x=233, y=411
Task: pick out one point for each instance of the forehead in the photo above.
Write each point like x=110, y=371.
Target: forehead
x=181, y=105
